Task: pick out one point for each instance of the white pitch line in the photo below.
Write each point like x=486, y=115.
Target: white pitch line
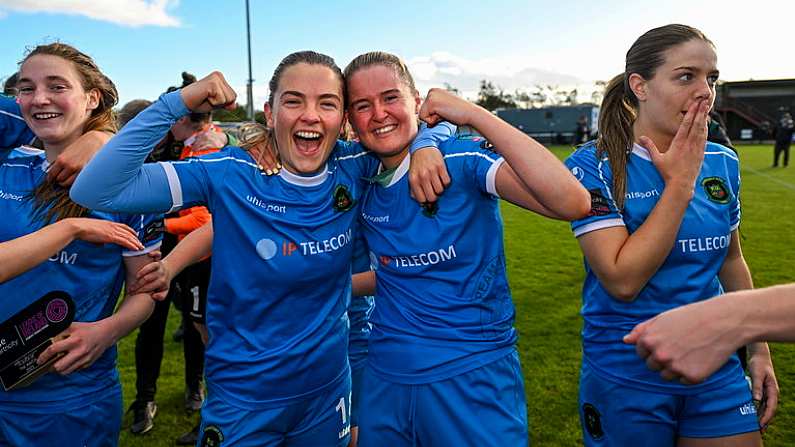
x=770, y=177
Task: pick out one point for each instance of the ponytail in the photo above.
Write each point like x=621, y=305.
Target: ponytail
x=616, y=116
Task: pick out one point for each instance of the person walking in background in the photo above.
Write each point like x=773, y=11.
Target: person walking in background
x=784, y=131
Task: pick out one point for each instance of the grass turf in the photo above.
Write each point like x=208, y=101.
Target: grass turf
x=545, y=271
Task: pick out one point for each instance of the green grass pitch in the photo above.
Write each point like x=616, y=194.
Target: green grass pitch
x=545, y=271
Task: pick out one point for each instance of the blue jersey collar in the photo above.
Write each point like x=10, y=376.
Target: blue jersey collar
x=641, y=151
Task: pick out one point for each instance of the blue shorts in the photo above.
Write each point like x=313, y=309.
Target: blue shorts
x=321, y=420
x=95, y=425
x=615, y=415
x=483, y=407
x=357, y=375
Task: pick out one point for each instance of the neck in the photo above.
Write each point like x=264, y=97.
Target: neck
x=642, y=128
x=393, y=161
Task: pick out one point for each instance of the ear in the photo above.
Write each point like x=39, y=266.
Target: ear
x=638, y=85
x=268, y=115
x=93, y=99
x=417, y=102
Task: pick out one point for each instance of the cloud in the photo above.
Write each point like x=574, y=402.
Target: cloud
x=465, y=74
x=132, y=13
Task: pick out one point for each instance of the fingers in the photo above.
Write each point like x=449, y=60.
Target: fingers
x=698, y=130
x=654, y=153
x=417, y=192
x=687, y=124
x=126, y=237
x=146, y=271
x=159, y=296
x=636, y=332
x=69, y=180
x=769, y=401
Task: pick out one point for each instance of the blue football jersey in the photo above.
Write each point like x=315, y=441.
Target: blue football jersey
x=14, y=132
x=91, y=274
x=443, y=305
x=278, y=325
x=689, y=273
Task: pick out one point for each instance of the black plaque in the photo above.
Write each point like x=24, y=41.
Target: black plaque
x=28, y=333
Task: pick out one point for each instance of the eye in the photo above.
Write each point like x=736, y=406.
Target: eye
x=328, y=105
x=58, y=87
x=686, y=77
x=291, y=102
x=24, y=90
x=391, y=98
x=712, y=79
x=361, y=107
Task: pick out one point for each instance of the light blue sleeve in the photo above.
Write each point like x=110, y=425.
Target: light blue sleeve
x=594, y=174
x=117, y=179
x=432, y=136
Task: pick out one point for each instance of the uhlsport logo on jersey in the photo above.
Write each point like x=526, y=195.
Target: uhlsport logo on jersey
x=342, y=199
x=578, y=173
x=268, y=248
x=716, y=190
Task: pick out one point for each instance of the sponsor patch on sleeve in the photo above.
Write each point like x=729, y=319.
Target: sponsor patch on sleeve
x=600, y=205
x=153, y=231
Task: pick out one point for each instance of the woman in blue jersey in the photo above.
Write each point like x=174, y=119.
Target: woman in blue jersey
x=442, y=365
x=276, y=360
x=63, y=95
x=662, y=232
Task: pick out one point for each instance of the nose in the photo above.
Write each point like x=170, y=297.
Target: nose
x=379, y=111
x=40, y=97
x=311, y=114
x=705, y=91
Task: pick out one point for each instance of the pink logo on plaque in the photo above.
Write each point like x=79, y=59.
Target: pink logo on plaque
x=57, y=310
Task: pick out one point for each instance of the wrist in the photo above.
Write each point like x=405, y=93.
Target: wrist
x=72, y=227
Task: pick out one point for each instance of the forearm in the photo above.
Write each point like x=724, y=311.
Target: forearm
x=23, y=253
x=196, y=246
x=645, y=250
x=767, y=314
x=116, y=179
x=133, y=311
x=543, y=175
x=363, y=284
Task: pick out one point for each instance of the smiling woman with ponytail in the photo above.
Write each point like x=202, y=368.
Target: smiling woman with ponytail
x=662, y=232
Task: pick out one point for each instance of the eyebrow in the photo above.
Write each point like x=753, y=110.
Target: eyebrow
x=301, y=95
x=694, y=69
x=48, y=78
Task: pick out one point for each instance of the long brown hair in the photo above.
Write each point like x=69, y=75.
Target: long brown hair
x=620, y=105
x=51, y=201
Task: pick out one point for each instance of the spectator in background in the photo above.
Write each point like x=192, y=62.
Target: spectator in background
x=784, y=132
x=10, y=85
x=581, y=134
x=716, y=132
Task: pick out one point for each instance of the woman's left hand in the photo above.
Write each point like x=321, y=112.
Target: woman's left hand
x=81, y=345
x=764, y=386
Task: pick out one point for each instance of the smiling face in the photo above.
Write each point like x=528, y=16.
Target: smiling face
x=52, y=99
x=306, y=116
x=688, y=75
x=383, y=111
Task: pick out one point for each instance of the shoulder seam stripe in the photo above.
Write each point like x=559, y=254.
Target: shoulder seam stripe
x=352, y=156
x=722, y=153
x=475, y=154
x=12, y=115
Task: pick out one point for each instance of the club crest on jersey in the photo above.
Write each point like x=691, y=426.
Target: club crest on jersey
x=716, y=190
x=342, y=199
x=429, y=209
x=212, y=436
x=593, y=421
x=153, y=231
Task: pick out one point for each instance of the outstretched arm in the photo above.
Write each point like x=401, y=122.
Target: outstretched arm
x=23, y=253
x=693, y=341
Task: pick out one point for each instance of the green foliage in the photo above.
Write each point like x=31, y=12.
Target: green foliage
x=546, y=272
x=491, y=97
x=237, y=115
